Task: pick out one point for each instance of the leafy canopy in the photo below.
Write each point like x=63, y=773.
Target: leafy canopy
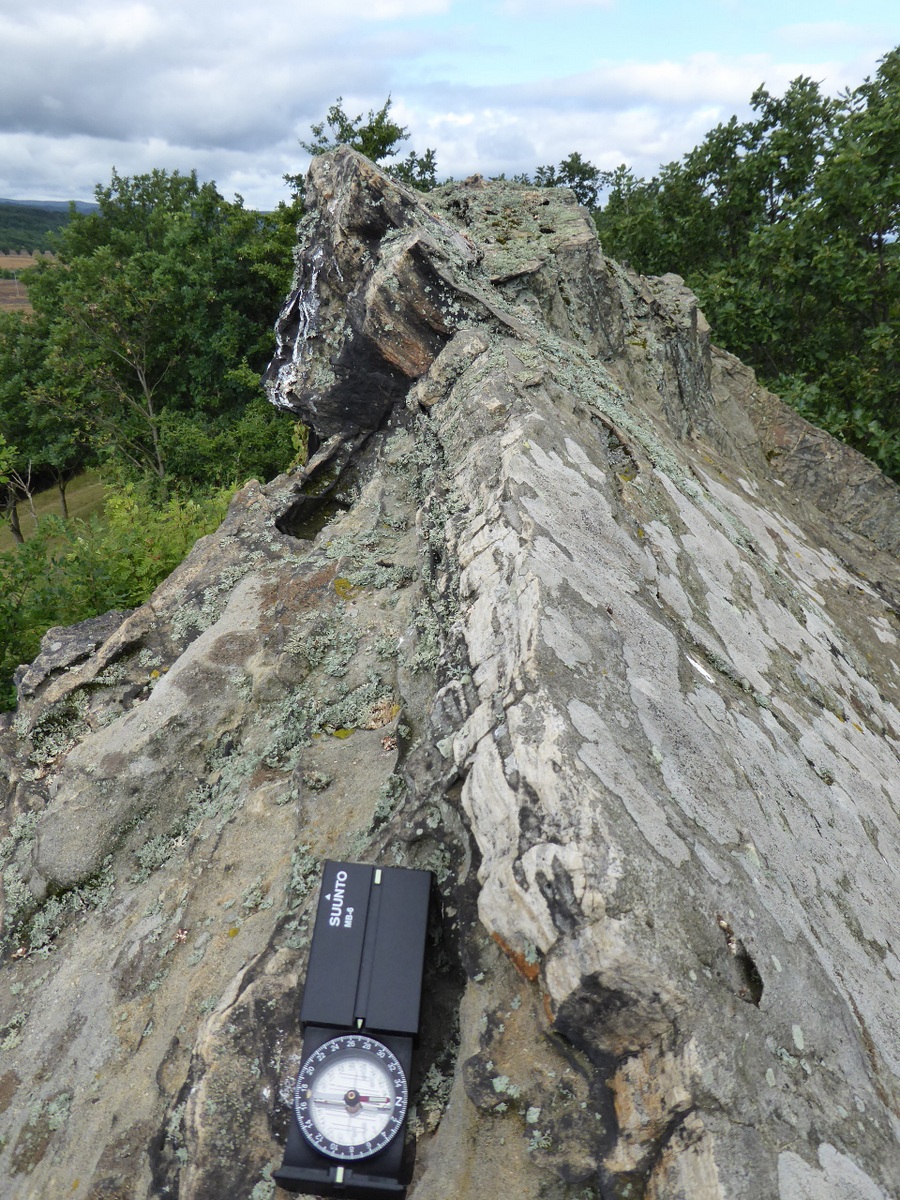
x=786, y=226
x=153, y=326
x=7, y=458
x=143, y=352
x=377, y=137
x=576, y=173
x=71, y=570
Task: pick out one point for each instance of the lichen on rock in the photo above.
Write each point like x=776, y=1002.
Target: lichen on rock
x=564, y=607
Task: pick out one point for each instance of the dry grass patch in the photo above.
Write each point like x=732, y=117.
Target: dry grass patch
x=20, y=262
x=84, y=496
x=13, y=295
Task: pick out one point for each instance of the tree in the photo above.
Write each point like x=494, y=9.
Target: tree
x=44, y=448
x=576, y=173
x=7, y=458
x=145, y=346
x=378, y=138
x=744, y=177
x=71, y=570
x=786, y=225
x=158, y=315
x=417, y=171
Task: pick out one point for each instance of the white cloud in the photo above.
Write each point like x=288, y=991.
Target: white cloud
x=228, y=88
x=641, y=113
x=49, y=168
x=94, y=26
x=701, y=79
x=200, y=75
x=392, y=10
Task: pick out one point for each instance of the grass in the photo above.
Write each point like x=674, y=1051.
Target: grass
x=85, y=496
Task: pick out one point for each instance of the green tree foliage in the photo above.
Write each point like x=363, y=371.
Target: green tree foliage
x=45, y=447
x=155, y=323
x=7, y=459
x=576, y=173
x=71, y=570
x=148, y=335
x=786, y=225
x=378, y=137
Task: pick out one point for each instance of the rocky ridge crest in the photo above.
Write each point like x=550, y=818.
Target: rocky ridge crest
x=566, y=608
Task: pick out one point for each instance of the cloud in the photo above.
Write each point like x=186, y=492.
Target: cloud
x=202, y=74
x=642, y=136
x=640, y=113
x=701, y=79
x=216, y=84
x=504, y=143
x=228, y=88
x=49, y=168
x=98, y=27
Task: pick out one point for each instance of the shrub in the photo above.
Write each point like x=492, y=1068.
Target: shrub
x=71, y=570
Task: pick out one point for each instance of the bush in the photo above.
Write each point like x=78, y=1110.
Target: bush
x=72, y=570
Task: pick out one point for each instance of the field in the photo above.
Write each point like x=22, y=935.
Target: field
x=12, y=292
x=16, y=262
x=13, y=295
x=84, y=495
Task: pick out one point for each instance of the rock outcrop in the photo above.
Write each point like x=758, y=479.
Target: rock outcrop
x=566, y=608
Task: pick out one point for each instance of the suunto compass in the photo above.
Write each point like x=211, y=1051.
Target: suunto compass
x=360, y=1014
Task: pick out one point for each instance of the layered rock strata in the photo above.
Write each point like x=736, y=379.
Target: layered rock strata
x=566, y=608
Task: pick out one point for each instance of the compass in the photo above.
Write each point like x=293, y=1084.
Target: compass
x=360, y=1016
x=351, y=1097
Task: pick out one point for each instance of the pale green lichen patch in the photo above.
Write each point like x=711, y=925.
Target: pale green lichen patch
x=21, y=835
x=391, y=795
x=56, y=730
x=10, y=1033
x=45, y=1118
x=32, y=926
x=200, y=614
x=328, y=640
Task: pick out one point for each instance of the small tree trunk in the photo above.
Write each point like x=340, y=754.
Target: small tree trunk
x=23, y=485
x=61, y=485
x=11, y=512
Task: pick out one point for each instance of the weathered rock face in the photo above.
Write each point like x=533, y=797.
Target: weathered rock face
x=568, y=610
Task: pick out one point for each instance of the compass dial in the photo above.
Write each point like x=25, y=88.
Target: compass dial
x=351, y=1097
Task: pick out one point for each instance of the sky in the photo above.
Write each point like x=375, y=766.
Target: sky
x=228, y=88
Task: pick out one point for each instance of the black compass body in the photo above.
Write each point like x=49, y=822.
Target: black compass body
x=360, y=1015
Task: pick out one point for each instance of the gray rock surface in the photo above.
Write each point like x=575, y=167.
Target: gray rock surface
x=569, y=610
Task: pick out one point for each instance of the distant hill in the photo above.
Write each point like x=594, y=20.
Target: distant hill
x=29, y=224
x=53, y=205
